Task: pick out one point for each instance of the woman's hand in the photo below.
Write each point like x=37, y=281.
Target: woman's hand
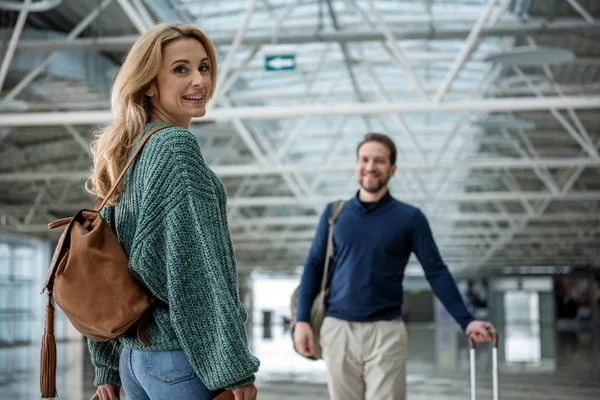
x=245, y=393
x=107, y=392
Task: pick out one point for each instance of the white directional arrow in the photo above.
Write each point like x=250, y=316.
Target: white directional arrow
x=281, y=62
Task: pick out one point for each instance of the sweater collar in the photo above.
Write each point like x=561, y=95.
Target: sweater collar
x=387, y=197
x=151, y=125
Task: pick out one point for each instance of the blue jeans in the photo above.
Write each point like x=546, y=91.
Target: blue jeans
x=160, y=375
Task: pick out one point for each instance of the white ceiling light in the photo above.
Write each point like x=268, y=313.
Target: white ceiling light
x=531, y=56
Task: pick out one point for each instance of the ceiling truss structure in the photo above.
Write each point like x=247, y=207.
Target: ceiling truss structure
x=503, y=156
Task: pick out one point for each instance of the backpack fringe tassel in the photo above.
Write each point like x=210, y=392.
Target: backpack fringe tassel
x=48, y=355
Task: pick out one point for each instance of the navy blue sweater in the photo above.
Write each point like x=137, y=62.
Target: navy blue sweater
x=372, y=246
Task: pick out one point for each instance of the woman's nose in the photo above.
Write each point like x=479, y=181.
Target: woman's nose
x=198, y=79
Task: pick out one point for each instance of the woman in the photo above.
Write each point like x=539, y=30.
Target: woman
x=170, y=216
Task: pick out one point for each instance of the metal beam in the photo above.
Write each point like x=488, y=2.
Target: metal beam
x=383, y=96
x=280, y=112
x=416, y=57
x=462, y=217
x=537, y=266
x=584, y=13
x=542, y=173
x=123, y=43
x=396, y=53
x=79, y=139
x=582, y=130
x=522, y=223
x=134, y=16
x=459, y=197
x=312, y=221
x=532, y=233
x=40, y=6
x=587, y=146
x=346, y=53
x=245, y=134
x=235, y=44
x=465, y=52
x=31, y=75
x=292, y=131
x=458, y=88
x=36, y=204
x=321, y=201
x=463, y=243
x=281, y=18
x=479, y=93
x=12, y=44
x=230, y=80
x=246, y=170
x=143, y=11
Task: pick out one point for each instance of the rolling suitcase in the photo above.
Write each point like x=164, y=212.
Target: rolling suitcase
x=494, y=366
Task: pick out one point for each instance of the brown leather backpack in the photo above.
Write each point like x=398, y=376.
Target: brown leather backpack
x=90, y=280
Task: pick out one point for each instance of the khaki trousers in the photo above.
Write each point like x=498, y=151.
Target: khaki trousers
x=365, y=360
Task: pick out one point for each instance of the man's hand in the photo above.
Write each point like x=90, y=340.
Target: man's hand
x=480, y=331
x=107, y=392
x=303, y=339
x=245, y=393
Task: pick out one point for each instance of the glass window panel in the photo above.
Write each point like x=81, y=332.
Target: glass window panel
x=5, y=329
x=22, y=332
x=24, y=252
x=23, y=259
x=4, y=261
x=23, y=268
x=5, y=359
x=24, y=357
x=60, y=325
x=4, y=250
x=5, y=296
x=4, y=268
x=17, y=273
x=21, y=296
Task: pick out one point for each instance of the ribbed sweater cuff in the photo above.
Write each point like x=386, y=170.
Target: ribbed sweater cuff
x=107, y=375
x=242, y=383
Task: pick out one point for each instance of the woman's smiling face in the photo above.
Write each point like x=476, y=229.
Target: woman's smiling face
x=179, y=91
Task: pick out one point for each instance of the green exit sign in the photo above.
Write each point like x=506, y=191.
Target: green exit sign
x=280, y=62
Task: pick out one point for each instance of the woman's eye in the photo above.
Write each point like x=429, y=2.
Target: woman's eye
x=204, y=68
x=180, y=70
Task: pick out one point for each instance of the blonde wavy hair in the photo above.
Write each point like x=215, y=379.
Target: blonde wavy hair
x=130, y=105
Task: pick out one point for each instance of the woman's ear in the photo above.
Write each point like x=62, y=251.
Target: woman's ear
x=151, y=91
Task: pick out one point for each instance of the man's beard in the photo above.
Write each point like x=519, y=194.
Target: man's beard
x=381, y=182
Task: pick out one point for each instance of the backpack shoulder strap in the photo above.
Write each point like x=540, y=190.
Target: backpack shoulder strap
x=100, y=203
x=335, y=211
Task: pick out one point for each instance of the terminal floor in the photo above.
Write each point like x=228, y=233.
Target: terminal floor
x=534, y=363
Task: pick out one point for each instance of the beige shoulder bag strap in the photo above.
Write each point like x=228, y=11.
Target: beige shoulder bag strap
x=336, y=209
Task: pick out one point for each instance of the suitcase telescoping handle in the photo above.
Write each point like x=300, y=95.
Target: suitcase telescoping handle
x=494, y=365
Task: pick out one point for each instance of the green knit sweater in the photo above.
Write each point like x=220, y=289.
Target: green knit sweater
x=171, y=220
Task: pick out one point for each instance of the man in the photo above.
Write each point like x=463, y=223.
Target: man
x=363, y=337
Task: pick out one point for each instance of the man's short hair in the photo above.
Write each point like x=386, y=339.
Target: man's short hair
x=384, y=140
